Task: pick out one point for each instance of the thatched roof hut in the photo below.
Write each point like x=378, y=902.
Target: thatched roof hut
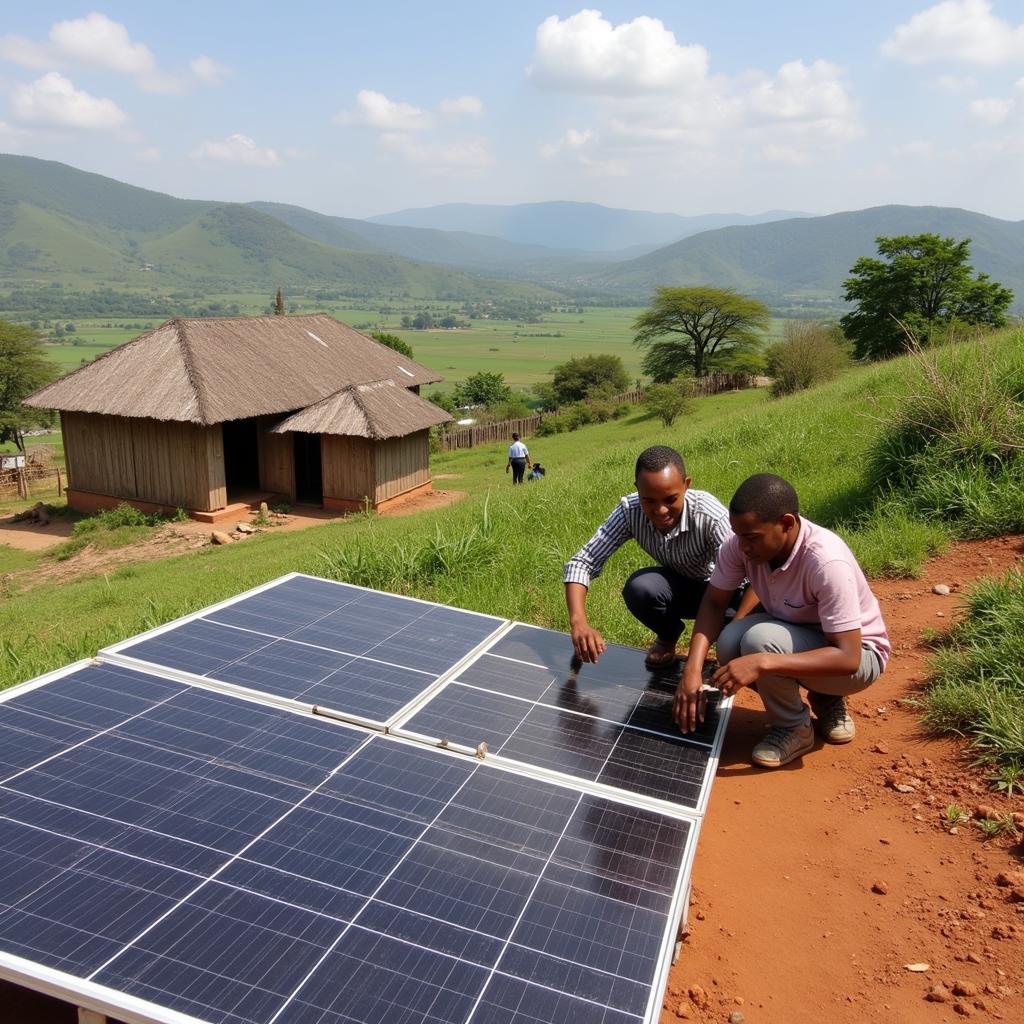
x=212, y=414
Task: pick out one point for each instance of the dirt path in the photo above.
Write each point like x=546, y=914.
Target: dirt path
x=785, y=925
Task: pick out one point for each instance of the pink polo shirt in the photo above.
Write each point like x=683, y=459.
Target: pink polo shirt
x=819, y=585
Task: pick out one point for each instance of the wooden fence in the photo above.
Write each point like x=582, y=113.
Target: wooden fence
x=526, y=426
x=17, y=483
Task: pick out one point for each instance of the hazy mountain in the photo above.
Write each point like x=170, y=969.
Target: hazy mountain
x=808, y=258
x=566, y=225
x=87, y=231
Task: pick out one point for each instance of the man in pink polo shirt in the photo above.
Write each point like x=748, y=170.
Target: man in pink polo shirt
x=820, y=628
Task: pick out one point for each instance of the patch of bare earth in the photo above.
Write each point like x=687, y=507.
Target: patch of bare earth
x=817, y=884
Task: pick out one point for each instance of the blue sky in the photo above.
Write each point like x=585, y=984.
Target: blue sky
x=356, y=109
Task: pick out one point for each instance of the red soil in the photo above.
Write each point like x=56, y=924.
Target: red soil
x=786, y=927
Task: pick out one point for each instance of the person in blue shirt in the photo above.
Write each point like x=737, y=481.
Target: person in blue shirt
x=518, y=459
x=536, y=472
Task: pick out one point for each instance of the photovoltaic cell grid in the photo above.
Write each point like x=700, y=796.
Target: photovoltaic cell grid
x=243, y=863
x=609, y=723
x=359, y=652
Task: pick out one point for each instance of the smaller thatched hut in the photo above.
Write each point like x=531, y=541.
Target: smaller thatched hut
x=212, y=415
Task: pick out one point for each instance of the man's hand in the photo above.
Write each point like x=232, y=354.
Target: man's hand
x=507, y=467
x=587, y=642
x=738, y=673
x=688, y=709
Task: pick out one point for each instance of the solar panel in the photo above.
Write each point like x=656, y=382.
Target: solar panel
x=611, y=723
x=363, y=654
x=175, y=850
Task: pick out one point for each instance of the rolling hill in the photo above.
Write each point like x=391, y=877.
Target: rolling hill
x=567, y=225
x=808, y=258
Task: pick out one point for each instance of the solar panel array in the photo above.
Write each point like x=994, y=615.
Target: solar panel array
x=175, y=848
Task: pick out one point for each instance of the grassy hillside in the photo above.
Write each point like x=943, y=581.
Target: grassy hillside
x=501, y=550
x=808, y=258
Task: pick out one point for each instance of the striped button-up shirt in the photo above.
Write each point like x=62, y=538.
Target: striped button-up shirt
x=689, y=548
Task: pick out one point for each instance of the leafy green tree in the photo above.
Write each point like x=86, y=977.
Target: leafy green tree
x=585, y=376
x=923, y=282
x=23, y=369
x=444, y=400
x=668, y=401
x=483, y=388
x=393, y=341
x=700, y=324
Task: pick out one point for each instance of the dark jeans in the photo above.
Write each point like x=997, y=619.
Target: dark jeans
x=661, y=598
x=518, y=468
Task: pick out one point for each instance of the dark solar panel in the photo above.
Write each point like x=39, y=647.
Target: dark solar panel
x=609, y=723
x=355, y=651
x=241, y=863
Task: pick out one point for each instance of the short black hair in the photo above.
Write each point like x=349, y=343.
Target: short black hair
x=515, y=436
x=768, y=496
x=656, y=458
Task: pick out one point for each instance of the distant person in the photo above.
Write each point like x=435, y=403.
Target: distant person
x=518, y=459
x=536, y=472
x=681, y=528
x=821, y=627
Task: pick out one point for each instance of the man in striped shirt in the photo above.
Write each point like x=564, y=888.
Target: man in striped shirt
x=680, y=527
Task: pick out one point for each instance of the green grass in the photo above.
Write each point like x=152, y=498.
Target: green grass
x=977, y=683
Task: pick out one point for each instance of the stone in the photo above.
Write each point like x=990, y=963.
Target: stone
x=880, y=888
x=938, y=994
x=683, y=1011
x=698, y=996
x=1010, y=879
x=1017, y=894
x=880, y=748
x=963, y=1009
x=736, y=1017
x=941, y=589
x=264, y=510
x=220, y=537
x=1018, y=818
x=245, y=528
x=973, y=958
x=985, y=812
x=965, y=988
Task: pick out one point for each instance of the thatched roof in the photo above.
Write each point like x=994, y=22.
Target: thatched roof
x=378, y=410
x=212, y=370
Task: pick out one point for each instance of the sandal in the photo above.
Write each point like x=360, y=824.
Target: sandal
x=660, y=655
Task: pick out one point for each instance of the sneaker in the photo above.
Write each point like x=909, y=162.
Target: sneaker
x=783, y=744
x=834, y=721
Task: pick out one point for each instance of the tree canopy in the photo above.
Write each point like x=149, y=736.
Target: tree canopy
x=667, y=401
x=698, y=324
x=922, y=281
x=23, y=369
x=587, y=377
x=483, y=388
x=393, y=341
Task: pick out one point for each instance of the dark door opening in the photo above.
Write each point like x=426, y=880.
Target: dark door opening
x=241, y=457
x=309, y=483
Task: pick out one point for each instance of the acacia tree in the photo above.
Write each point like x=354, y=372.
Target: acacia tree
x=23, y=369
x=698, y=325
x=923, y=282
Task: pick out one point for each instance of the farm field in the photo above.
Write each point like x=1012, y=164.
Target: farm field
x=524, y=351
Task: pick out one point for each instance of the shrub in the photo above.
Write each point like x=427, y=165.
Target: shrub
x=577, y=415
x=552, y=423
x=811, y=353
x=668, y=401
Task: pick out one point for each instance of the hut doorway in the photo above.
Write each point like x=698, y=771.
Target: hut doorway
x=241, y=457
x=309, y=481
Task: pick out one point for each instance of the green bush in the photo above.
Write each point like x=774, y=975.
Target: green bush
x=115, y=518
x=669, y=401
x=810, y=353
x=552, y=423
x=577, y=415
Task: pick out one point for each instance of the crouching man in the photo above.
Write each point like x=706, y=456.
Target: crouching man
x=821, y=627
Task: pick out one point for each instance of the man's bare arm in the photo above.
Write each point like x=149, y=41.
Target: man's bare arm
x=586, y=641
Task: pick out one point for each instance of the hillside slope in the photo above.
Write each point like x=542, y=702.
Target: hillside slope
x=808, y=258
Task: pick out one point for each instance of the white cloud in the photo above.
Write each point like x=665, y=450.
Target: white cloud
x=149, y=155
x=916, y=149
x=237, y=149
x=208, y=71
x=53, y=102
x=956, y=84
x=813, y=96
x=375, y=110
x=585, y=53
x=992, y=111
x=462, y=156
x=462, y=106
x=99, y=43
x=956, y=30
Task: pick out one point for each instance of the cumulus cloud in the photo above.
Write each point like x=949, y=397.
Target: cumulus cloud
x=462, y=106
x=992, y=111
x=53, y=102
x=585, y=53
x=99, y=43
x=375, y=110
x=236, y=149
x=957, y=30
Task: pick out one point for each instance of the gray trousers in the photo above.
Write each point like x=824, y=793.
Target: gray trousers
x=761, y=634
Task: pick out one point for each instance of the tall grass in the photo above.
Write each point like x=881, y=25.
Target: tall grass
x=977, y=682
